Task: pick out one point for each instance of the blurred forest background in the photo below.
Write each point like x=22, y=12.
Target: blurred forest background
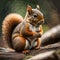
x=50, y=9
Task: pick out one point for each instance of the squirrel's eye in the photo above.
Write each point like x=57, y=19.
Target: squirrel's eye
x=35, y=15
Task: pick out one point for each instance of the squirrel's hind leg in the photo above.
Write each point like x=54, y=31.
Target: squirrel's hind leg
x=19, y=43
x=38, y=43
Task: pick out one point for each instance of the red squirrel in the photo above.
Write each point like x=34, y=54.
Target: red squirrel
x=23, y=34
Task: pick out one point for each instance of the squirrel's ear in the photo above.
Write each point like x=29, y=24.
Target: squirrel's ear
x=29, y=9
x=38, y=7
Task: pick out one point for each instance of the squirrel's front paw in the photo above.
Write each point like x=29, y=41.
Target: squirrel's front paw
x=37, y=48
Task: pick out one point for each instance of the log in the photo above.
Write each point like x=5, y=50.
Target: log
x=5, y=55
x=43, y=49
x=11, y=56
x=51, y=47
x=50, y=52
x=51, y=36
x=49, y=55
x=42, y=56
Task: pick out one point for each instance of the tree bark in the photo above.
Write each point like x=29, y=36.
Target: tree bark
x=51, y=36
x=11, y=56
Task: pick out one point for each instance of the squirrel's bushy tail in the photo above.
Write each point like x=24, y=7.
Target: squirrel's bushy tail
x=8, y=25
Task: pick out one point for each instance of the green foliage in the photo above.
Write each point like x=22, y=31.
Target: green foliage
x=19, y=6
x=45, y=28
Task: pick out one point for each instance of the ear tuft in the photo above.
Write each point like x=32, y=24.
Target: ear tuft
x=29, y=9
x=38, y=7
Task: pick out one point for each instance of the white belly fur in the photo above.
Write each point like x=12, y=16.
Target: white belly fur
x=33, y=28
x=27, y=46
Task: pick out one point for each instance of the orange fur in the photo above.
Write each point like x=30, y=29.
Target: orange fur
x=9, y=23
x=16, y=34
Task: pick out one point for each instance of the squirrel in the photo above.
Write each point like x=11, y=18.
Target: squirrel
x=23, y=34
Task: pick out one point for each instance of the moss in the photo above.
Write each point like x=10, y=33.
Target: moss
x=45, y=28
